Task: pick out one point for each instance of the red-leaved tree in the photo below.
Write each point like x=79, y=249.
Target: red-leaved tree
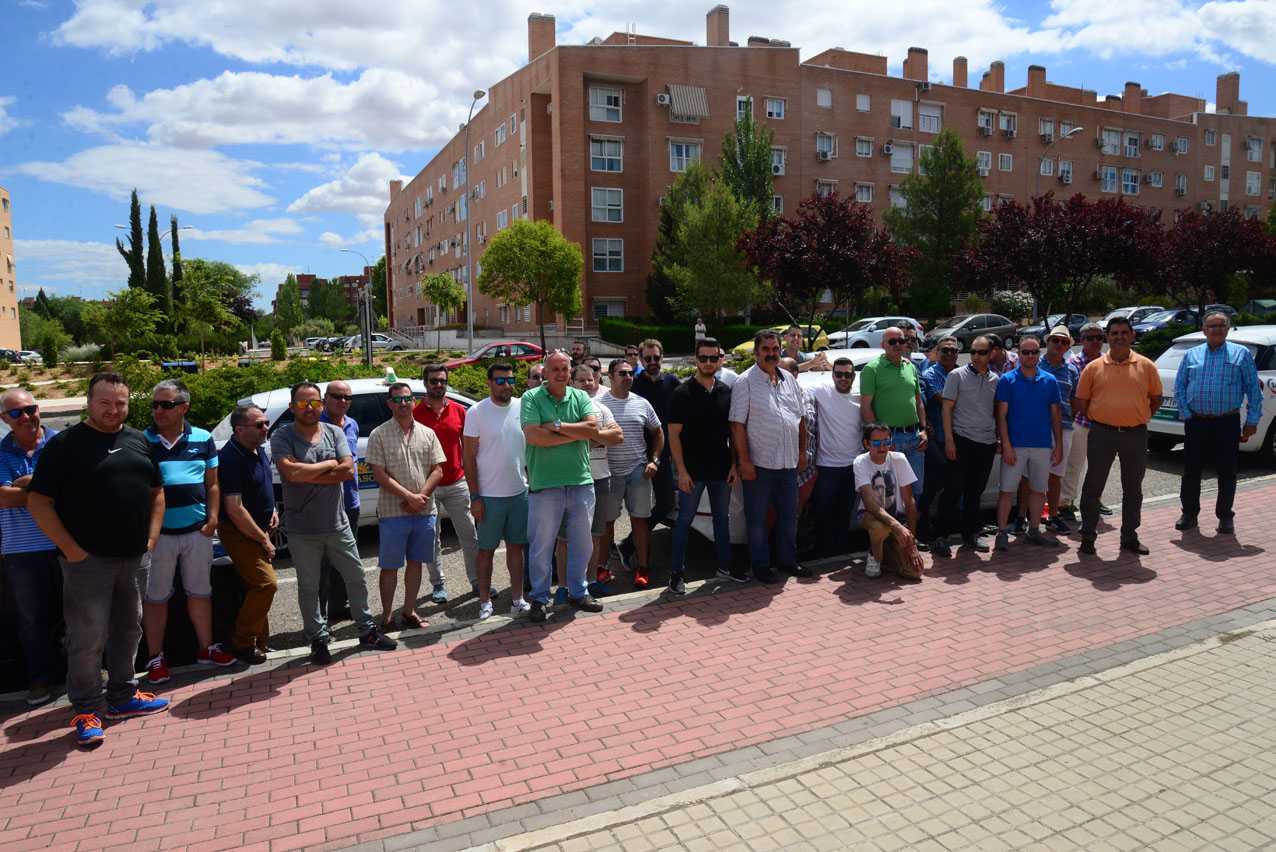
x=1204, y=252
x=829, y=245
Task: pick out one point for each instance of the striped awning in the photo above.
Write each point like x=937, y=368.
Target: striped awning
x=688, y=101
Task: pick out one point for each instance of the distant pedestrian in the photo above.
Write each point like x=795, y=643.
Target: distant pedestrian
x=1212, y=380
x=887, y=511
x=841, y=442
x=970, y=445
x=578, y=352
x=701, y=331
x=1119, y=393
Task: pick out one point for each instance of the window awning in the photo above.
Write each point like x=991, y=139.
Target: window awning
x=688, y=100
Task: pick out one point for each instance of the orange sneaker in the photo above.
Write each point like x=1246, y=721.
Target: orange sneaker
x=641, y=580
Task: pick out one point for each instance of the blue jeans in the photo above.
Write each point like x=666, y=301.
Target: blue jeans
x=36, y=578
x=835, y=498
x=936, y=464
x=548, y=509
x=102, y=601
x=719, y=505
x=778, y=487
x=906, y=443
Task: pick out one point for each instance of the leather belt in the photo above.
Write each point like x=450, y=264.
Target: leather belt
x=904, y=428
x=1119, y=428
x=1217, y=416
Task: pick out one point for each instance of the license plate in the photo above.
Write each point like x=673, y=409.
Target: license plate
x=1169, y=410
x=1168, y=402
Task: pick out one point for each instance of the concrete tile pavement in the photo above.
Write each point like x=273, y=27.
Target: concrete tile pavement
x=503, y=728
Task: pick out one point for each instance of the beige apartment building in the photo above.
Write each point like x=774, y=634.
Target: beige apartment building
x=590, y=137
x=10, y=333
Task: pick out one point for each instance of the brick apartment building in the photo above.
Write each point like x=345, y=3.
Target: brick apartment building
x=590, y=137
x=351, y=285
x=10, y=332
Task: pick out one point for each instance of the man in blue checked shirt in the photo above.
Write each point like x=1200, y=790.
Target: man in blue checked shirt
x=1212, y=380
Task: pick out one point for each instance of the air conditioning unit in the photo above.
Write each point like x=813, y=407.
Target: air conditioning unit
x=1180, y=191
x=888, y=149
x=1098, y=143
x=1010, y=132
x=1147, y=178
x=985, y=130
x=1065, y=178
x=549, y=108
x=662, y=99
x=551, y=205
x=983, y=172
x=474, y=195
x=777, y=169
x=1204, y=205
x=660, y=202
x=1147, y=143
x=823, y=156
x=1047, y=137
x=923, y=86
x=1098, y=174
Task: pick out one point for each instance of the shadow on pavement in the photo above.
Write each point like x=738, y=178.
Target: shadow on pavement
x=1109, y=575
x=712, y=604
x=244, y=689
x=515, y=638
x=21, y=764
x=1214, y=548
x=857, y=589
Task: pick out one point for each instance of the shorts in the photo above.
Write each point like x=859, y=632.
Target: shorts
x=602, y=487
x=195, y=552
x=410, y=537
x=1057, y=470
x=504, y=519
x=1030, y=462
x=630, y=490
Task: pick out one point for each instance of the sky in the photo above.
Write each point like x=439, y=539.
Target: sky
x=273, y=127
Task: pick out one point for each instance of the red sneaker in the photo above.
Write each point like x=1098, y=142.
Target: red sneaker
x=156, y=670
x=213, y=655
x=641, y=580
x=604, y=575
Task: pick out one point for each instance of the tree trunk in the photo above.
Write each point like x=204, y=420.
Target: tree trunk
x=201, y=347
x=540, y=313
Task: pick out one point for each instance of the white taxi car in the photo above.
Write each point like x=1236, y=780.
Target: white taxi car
x=1166, y=430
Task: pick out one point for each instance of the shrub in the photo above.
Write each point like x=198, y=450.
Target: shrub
x=1151, y=344
x=675, y=338
x=1012, y=304
x=49, y=348
x=87, y=352
x=278, y=349
x=973, y=305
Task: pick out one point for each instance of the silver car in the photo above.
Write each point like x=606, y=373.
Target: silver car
x=867, y=333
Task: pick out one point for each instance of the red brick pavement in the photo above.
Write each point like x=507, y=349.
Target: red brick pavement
x=382, y=744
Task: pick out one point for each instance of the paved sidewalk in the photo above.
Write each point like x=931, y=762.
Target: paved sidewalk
x=468, y=737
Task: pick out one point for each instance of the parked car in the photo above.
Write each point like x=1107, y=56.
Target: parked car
x=11, y=356
x=29, y=356
x=1162, y=319
x=1135, y=313
x=1227, y=309
x=1074, y=323
x=313, y=342
x=510, y=350
x=816, y=339
x=369, y=408
x=969, y=326
x=379, y=341
x=1166, y=429
x=867, y=332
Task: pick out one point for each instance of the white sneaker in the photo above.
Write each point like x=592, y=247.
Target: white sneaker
x=872, y=568
x=485, y=609
x=519, y=606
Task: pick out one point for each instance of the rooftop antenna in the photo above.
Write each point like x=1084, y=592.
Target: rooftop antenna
x=632, y=32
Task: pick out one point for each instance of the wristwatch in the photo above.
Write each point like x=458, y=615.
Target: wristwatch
x=558, y=425
x=474, y=497
x=656, y=462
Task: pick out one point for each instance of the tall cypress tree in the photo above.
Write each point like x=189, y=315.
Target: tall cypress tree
x=133, y=254
x=156, y=275
x=177, y=262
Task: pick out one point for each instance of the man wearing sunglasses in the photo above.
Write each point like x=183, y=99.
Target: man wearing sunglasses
x=970, y=445
x=657, y=387
x=188, y=462
x=840, y=445
x=1092, y=340
x=887, y=509
x=313, y=460
x=891, y=393
x=333, y=601
x=933, y=378
x=248, y=518
x=30, y=558
x=536, y=375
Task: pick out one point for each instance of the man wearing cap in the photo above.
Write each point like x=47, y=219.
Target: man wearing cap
x=890, y=393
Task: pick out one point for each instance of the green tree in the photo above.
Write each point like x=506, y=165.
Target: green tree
x=327, y=300
x=129, y=315
x=35, y=327
x=941, y=210
x=156, y=275
x=177, y=260
x=133, y=254
x=49, y=346
x=278, y=349
x=712, y=276
x=531, y=263
x=288, y=313
x=446, y=293
x=687, y=190
x=208, y=287
x=42, y=305
x=745, y=162
x=68, y=312
x=380, y=299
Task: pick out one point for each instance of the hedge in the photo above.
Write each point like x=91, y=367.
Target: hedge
x=675, y=338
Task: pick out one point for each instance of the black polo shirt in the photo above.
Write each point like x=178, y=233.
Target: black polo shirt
x=246, y=473
x=703, y=415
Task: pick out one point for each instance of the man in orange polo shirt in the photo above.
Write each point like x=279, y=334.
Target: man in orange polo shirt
x=1119, y=394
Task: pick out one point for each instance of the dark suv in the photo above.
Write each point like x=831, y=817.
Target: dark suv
x=1074, y=323
x=966, y=328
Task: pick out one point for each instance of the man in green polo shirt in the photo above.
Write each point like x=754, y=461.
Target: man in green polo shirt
x=558, y=422
x=890, y=393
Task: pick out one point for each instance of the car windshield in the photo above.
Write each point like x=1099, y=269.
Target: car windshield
x=859, y=325
x=1172, y=357
x=1160, y=316
x=477, y=352
x=951, y=322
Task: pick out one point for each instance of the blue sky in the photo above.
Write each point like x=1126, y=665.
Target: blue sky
x=273, y=127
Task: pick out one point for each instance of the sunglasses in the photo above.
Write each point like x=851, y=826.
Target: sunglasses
x=948, y=350
x=308, y=403
x=895, y=341
x=631, y=354
x=1029, y=351
x=981, y=352
x=504, y=380
x=651, y=359
x=885, y=442
x=166, y=404
x=911, y=340
x=1059, y=340
x=260, y=424
x=1093, y=337
x=839, y=374
x=28, y=410
x=707, y=359
x=622, y=373
x=436, y=381
x=343, y=397
x=401, y=399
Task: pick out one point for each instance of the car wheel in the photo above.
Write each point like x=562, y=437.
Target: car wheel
x=961, y=345
x=279, y=535
x=396, y=348
x=859, y=344
x=1162, y=443
x=1267, y=453
x=1010, y=343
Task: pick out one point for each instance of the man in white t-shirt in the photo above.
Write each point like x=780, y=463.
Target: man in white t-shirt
x=889, y=513
x=493, y=447
x=725, y=374
x=840, y=443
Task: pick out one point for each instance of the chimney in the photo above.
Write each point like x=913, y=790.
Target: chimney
x=540, y=35
x=717, y=25
x=395, y=187
x=1036, y=81
x=959, y=72
x=994, y=79
x=1228, y=97
x=915, y=66
x=1133, y=98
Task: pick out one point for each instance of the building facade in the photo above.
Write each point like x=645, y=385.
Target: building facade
x=351, y=286
x=10, y=332
x=590, y=138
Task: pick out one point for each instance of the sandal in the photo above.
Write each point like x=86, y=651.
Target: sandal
x=411, y=619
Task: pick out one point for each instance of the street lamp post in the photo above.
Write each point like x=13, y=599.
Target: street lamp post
x=163, y=234
x=469, y=265
x=365, y=309
x=1037, y=194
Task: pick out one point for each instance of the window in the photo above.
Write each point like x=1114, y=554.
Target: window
x=901, y=113
x=1224, y=172
x=863, y=146
x=513, y=124
x=604, y=104
x=1065, y=168
x=824, y=97
x=1008, y=121
x=608, y=308
x=930, y=118
x=922, y=151
x=683, y=154
x=1271, y=189
x=863, y=193
x=1005, y=162
x=1111, y=141
x=1108, y=178
x=502, y=219
x=1254, y=150
x=1251, y=212
x=606, y=205
x=825, y=187
x=1045, y=126
x=6, y=204
x=896, y=197
x=482, y=189
x=514, y=210
x=1131, y=144
x=1180, y=145
x=1156, y=178
x=1252, y=182
x=901, y=159
x=605, y=155
x=1180, y=183
x=609, y=255
x=986, y=203
x=527, y=313
x=456, y=173
x=775, y=108
x=777, y=161
x=500, y=134
x=1130, y=181
x=863, y=102
x=743, y=106
x=826, y=143
x=987, y=119
x=983, y=161
x=1065, y=127
x=1047, y=166
x=777, y=203
x=1157, y=142
x=480, y=150
x=1211, y=137
x=1209, y=172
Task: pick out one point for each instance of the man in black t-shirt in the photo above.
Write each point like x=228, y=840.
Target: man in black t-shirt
x=656, y=387
x=97, y=494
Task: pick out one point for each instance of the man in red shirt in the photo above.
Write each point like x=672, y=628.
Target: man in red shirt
x=447, y=419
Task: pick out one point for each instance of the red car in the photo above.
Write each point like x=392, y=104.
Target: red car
x=511, y=350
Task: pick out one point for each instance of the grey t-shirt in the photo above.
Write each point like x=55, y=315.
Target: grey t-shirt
x=973, y=396
x=310, y=508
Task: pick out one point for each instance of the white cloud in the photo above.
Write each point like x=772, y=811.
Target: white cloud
x=72, y=266
x=258, y=231
x=194, y=181
x=9, y=122
x=1162, y=27
x=329, y=239
x=363, y=190
x=271, y=275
